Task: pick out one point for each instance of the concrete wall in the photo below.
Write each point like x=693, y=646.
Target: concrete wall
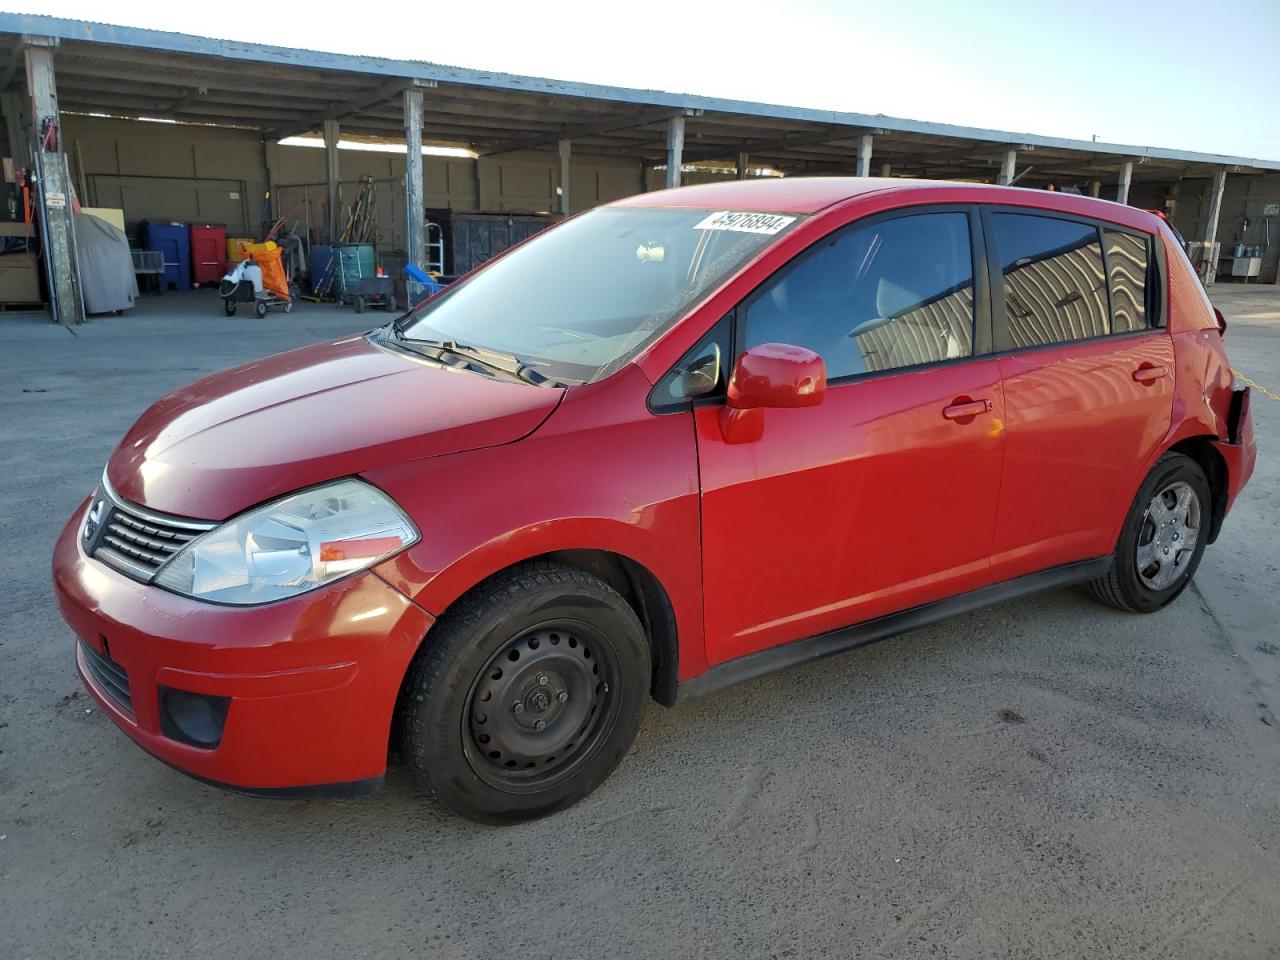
x=1245, y=195
x=164, y=171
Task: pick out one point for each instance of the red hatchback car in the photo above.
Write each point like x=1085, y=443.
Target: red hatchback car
x=671, y=444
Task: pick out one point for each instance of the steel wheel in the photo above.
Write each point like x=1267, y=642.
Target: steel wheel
x=539, y=705
x=1169, y=534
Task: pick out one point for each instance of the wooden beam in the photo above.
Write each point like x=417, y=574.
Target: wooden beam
x=1216, y=189
x=864, y=155
x=332, y=176
x=1007, y=167
x=57, y=230
x=186, y=99
x=786, y=142
x=1126, y=178
x=675, y=150
x=622, y=121
x=357, y=104
x=414, y=188
x=563, y=151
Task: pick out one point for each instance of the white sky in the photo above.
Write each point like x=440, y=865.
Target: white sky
x=1181, y=73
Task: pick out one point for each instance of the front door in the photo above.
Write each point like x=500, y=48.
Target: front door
x=884, y=496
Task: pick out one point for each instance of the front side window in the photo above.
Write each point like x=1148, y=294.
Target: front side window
x=577, y=302
x=880, y=296
x=1127, y=268
x=1055, y=290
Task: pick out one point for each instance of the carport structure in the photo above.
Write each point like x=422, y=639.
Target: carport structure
x=87, y=68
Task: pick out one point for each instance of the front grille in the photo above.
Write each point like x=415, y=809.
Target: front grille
x=133, y=540
x=109, y=676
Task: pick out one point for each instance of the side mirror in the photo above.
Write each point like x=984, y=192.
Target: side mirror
x=769, y=375
x=777, y=375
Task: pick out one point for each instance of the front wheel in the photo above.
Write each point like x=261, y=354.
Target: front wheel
x=527, y=694
x=1163, y=539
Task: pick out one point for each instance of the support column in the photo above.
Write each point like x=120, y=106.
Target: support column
x=743, y=159
x=416, y=226
x=564, y=149
x=1215, y=205
x=886, y=170
x=1126, y=178
x=331, y=178
x=57, y=226
x=1095, y=188
x=864, y=155
x=1008, y=166
x=675, y=150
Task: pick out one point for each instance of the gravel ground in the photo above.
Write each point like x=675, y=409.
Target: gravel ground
x=1046, y=778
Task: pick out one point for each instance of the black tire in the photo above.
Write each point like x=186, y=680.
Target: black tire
x=538, y=640
x=260, y=309
x=1127, y=587
x=230, y=307
x=359, y=301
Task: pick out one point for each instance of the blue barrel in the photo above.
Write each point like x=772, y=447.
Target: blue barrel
x=173, y=240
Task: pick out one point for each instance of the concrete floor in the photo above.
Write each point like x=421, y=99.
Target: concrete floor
x=1046, y=778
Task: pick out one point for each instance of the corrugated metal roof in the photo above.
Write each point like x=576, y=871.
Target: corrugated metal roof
x=797, y=133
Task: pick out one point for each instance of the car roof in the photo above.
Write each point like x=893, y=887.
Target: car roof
x=811, y=194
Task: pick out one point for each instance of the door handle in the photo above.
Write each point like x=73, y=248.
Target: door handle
x=1148, y=373
x=963, y=408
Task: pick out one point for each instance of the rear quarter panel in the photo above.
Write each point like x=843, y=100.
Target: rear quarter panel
x=1204, y=378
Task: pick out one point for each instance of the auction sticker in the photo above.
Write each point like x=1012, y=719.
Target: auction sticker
x=766, y=223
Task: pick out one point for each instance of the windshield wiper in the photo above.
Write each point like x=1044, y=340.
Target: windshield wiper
x=508, y=363
x=492, y=361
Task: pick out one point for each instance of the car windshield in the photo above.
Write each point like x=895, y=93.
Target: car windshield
x=577, y=302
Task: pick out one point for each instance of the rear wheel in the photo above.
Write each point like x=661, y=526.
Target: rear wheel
x=527, y=694
x=229, y=306
x=260, y=309
x=1163, y=539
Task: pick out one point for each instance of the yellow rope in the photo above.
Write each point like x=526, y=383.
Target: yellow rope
x=1256, y=386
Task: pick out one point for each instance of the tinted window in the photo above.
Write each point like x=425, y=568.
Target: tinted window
x=1127, y=269
x=1054, y=286
x=876, y=297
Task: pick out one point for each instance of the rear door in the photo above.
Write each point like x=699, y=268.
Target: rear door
x=1088, y=381
x=882, y=497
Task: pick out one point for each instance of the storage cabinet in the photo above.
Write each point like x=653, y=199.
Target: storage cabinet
x=208, y=244
x=174, y=242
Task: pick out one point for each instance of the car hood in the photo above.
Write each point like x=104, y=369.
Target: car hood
x=251, y=433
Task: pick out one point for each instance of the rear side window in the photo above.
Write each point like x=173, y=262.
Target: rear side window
x=879, y=296
x=1128, y=269
x=1055, y=288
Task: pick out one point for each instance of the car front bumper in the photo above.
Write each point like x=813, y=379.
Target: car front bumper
x=308, y=684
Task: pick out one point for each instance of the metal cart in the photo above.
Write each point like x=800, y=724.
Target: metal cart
x=369, y=292
x=234, y=294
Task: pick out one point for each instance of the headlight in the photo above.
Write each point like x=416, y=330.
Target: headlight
x=291, y=546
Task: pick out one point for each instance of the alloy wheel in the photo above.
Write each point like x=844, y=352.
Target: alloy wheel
x=1168, y=537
